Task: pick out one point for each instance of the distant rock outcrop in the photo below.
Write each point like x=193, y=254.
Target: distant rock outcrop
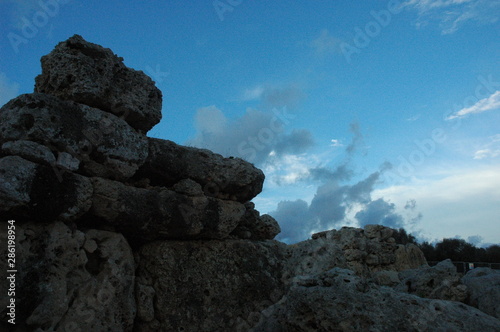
x=116, y=231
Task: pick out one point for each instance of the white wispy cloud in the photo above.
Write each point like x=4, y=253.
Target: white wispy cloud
x=486, y=153
x=486, y=104
x=426, y=5
x=490, y=150
x=8, y=89
x=414, y=118
x=452, y=14
x=288, y=169
x=336, y=143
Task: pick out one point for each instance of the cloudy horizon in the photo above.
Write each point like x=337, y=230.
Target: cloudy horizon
x=382, y=112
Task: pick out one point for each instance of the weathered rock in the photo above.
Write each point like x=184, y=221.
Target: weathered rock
x=93, y=75
x=225, y=178
x=31, y=151
x=409, y=256
x=266, y=228
x=188, y=187
x=207, y=285
x=387, y=278
x=61, y=286
x=338, y=300
x=149, y=214
x=484, y=290
x=105, y=145
x=36, y=192
x=437, y=282
x=362, y=251
x=313, y=257
x=253, y=226
x=378, y=232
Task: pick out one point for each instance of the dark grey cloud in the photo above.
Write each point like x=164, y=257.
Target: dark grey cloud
x=356, y=139
x=335, y=198
x=340, y=174
x=298, y=220
x=297, y=142
x=380, y=212
x=288, y=96
x=329, y=208
x=252, y=136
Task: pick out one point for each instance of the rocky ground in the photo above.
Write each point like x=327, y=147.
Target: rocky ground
x=116, y=231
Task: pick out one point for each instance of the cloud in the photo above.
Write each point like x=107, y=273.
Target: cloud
x=8, y=89
x=210, y=120
x=298, y=222
x=340, y=174
x=486, y=104
x=475, y=240
x=278, y=97
x=255, y=136
x=336, y=143
x=253, y=93
x=326, y=44
x=382, y=212
x=356, y=140
x=490, y=150
x=336, y=199
x=486, y=153
x=452, y=14
x=414, y=118
x=427, y=5
x=287, y=169
x=463, y=201
x=297, y=142
x=272, y=96
x=330, y=207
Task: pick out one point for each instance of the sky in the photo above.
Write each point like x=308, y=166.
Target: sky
x=358, y=112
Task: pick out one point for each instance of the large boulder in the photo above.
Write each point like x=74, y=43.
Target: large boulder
x=484, y=290
x=36, y=192
x=339, y=300
x=437, y=282
x=93, y=75
x=225, y=178
x=207, y=285
x=147, y=214
x=101, y=143
x=69, y=280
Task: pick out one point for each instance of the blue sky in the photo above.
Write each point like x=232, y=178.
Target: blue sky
x=358, y=112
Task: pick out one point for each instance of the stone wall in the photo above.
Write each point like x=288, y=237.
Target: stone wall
x=117, y=231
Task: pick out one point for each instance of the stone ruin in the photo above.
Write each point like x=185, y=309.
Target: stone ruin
x=117, y=231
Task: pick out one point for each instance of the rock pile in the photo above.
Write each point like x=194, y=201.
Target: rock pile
x=74, y=151
x=116, y=231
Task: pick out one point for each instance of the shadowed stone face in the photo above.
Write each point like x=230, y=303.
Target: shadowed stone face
x=104, y=144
